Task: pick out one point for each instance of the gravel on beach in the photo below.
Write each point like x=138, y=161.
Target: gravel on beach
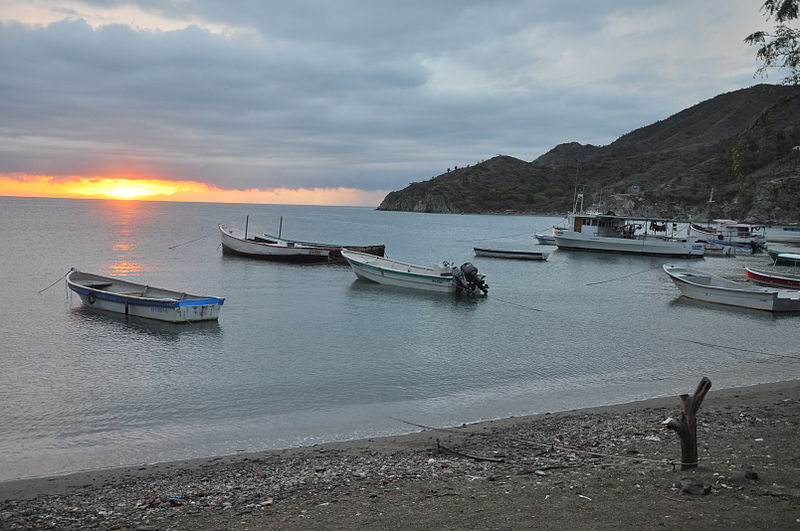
x=601, y=468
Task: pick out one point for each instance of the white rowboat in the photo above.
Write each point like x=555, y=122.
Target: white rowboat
x=704, y=286
x=442, y=278
x=504, y=253
x=130, y=298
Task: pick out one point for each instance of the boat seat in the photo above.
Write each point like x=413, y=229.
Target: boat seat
x=98, y=285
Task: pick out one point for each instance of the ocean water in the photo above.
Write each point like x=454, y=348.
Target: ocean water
x=304, y=354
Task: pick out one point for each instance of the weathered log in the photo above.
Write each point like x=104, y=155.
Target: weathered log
x=686, y=428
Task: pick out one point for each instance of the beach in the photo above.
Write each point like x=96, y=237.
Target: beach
x=601, y=468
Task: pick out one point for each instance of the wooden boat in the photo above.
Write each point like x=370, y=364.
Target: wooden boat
x=617, y=234
x=140, y=300
x=772, y=278
x=442, y=278
x=335, y=250
x=704, y=286
x=777, y=277
x=505, y=253
x=237, y=242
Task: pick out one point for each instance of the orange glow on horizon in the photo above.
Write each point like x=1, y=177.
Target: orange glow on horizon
x=118, y=188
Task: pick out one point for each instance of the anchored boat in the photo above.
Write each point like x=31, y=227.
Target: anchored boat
x=704, y=286
x=237, y=242
x=141, y=300
x=508, y=253
x=621, y=234
x=442, y=278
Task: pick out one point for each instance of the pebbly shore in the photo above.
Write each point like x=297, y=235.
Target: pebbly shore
x=601, y=468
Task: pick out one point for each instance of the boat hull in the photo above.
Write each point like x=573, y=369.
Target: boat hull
x=414, y=277
x=705, y=287
x=168, y=308
x=267, y=251
x=518, y=255
x=336, y=250
x=575, y=241
x=772, y=278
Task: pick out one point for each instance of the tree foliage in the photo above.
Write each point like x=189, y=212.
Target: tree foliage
x=781, y=47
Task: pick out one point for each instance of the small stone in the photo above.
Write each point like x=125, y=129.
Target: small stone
x=750, y=474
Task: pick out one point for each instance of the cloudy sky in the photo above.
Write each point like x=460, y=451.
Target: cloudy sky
x=339, y=102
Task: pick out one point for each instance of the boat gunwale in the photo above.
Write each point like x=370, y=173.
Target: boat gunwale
x=113, y=296
x=346, y=252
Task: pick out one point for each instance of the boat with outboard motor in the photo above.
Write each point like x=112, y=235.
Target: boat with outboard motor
x=441, y=278
x=141, y=300
x=707, y=287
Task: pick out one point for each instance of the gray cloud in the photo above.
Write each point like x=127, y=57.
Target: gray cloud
x=354, y=93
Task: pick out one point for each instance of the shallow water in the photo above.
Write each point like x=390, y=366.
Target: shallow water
x=307, y=353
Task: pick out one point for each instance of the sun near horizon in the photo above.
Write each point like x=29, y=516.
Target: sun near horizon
x=137, y=188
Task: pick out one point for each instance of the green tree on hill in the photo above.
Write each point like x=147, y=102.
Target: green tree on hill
x=781, y=47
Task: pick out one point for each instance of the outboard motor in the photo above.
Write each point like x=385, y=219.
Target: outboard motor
x=467, y=279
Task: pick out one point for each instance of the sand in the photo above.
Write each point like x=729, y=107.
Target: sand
x=612, y=467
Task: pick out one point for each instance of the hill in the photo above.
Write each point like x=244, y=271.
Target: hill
x=742, y=144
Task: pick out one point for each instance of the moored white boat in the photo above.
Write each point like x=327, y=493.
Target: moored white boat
x=237, y=242
x=707, y=287
x=140, y=300
x=508, y=253
x=619, y=234
x=442, y=278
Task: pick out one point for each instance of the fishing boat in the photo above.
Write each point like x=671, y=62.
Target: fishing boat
x=335, y=250
x=238, y=242
x=441, y=278
x=140, y=300
x=777, y=277
x=621, y=234
x=704, y=286
x=507, y=253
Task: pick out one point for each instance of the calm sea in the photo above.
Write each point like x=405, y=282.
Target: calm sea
x=306, y=354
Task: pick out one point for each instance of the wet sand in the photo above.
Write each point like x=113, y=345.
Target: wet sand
x=601, y=468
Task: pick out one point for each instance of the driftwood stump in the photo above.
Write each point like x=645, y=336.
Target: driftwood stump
x=687, y=426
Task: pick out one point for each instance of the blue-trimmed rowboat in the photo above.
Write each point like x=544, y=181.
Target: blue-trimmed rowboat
x=140, y=300
x=442, y=278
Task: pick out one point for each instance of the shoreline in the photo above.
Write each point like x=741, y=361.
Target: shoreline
x=406, y=477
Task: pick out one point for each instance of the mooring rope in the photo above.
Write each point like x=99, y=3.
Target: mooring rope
x=56, y=282
x=496, y=237
x=623, y=277
x=190, y=241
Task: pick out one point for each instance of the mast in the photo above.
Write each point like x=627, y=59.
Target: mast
x=710, y=202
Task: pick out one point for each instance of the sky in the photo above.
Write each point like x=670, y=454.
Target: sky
x=338, y=103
